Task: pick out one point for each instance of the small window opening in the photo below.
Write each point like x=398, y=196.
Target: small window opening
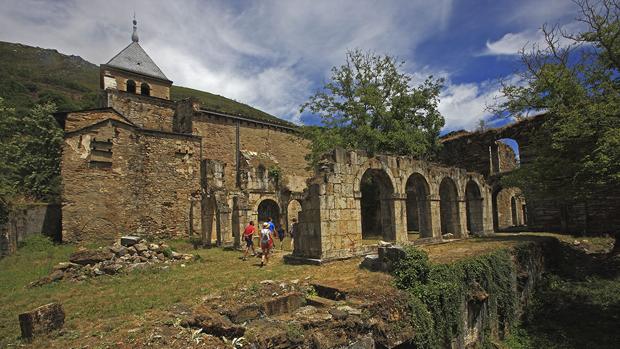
x=131, y=86
x=145, y=89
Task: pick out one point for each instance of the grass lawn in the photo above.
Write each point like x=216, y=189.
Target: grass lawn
x=109, y=308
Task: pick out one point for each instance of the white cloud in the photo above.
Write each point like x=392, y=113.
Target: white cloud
x=269, y=54
x=464, y=105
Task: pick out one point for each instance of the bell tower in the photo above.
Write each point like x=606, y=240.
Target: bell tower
x=133, y=71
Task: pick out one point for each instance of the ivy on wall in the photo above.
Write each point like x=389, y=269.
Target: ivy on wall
x=438, y=291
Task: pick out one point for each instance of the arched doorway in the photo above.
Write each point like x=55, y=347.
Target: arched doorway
x=473, y=207
x=507, y=208
x=268, y=209
x=418, y=207
x=449, y=207
x=377, y=206
x=513, y=211
x=292, y=212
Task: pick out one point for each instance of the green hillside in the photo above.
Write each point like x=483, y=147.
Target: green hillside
x=30, y=75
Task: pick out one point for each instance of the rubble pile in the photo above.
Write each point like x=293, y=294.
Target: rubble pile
x=128, y=254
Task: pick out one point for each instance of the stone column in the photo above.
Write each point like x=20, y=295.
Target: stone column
x=462, y=221
x=400, y=218
x=487, y=214
x=435, y=216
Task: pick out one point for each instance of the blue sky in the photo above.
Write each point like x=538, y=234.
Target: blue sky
x=274, y=54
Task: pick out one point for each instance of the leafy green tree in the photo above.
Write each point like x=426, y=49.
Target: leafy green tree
x=369, y=104
x=29, y=155
x=575, y=80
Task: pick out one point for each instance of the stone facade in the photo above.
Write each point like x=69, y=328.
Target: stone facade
x=119, y=178
x=332, y=218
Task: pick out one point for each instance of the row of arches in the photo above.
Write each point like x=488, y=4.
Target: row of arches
x=145, y=89
x=378, y=213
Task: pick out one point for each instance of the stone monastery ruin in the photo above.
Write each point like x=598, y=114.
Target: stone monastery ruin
x=146, y=165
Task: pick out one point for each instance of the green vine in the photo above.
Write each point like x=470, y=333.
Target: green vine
x=438, y=291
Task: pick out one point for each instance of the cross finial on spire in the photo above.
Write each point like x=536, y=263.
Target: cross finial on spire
x=134, y=36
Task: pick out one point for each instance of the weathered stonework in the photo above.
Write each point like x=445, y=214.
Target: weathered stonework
x=120, y=179
x=331, y=222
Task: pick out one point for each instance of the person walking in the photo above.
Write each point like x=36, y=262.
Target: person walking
x=248, y=236
x=292, y=232
x=281, y=235
x=266, y=243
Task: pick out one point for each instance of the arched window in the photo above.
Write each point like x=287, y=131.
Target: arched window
x=145, y=89
x=131, y=86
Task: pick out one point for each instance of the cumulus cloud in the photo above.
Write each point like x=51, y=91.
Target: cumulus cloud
x=464, y=105
x=269, y=54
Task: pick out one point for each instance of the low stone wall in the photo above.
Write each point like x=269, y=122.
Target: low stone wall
x=27, y=220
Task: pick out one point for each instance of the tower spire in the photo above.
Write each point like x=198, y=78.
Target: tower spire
x=134, y=36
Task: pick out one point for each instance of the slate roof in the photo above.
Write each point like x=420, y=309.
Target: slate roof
x=133, y=58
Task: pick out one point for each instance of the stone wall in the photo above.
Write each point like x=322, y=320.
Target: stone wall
x=27, y=220
x=145, y=112
x=276, y=146
x=139, y=182
x=331, y=221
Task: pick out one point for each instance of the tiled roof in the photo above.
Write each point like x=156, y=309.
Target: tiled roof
x=134, y=59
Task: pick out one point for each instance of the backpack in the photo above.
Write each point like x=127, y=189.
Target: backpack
x=264, y=235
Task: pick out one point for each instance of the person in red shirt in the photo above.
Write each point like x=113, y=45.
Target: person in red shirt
x=248, y=236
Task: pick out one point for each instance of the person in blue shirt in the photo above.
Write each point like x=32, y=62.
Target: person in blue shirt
x=272, y=226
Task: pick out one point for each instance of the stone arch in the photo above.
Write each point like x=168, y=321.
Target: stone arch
x=292, y=212
x=507, y=205
x=505, y=155
x=145, y=89
x=474, y=207
x=377, y=205
x=449, y=207
x=374, y=164
x=268, y=208
x=418, y=205
x=131, y=86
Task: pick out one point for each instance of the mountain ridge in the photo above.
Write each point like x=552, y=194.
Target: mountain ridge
x=30, y=75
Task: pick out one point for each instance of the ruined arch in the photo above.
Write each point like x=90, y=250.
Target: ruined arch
x=268, y=208
x=131, y=86
x=418, y=206
x=377, y=205
x=474, y=207
x=292, y=212
x=505, y=155
x=145, y=89
x=449, y=207
x=508, y=208
x=374, y=164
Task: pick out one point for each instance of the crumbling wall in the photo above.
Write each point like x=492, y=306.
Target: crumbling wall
x=26, y=220
x=331, y=222
x=118, y=179
x=283, y=148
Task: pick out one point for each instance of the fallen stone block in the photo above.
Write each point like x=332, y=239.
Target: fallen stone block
x=42, y=320
x=128, y=241
x=283, y=304
x=320, y=301
x=85, y=256
x=244, y=313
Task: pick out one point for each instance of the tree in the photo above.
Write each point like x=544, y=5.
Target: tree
x=29, y=155
x=574, y=79
x=369, y=104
